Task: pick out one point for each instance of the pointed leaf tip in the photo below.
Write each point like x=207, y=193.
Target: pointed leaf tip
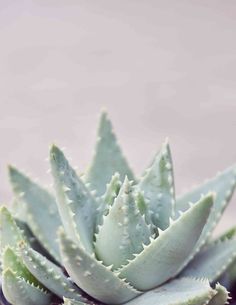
x=11, y=168
x=20, y=292
x=37, y=201
x=55, y=152
x=50, y=275
x=108, y=158
x=158, y=188
x=10, y=233
x=123, y=230
x=76, y=205
x=107, y=200
x=11, y=260
x=104, y=119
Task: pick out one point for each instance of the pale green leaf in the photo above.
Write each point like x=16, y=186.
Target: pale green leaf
x=123, y=231
x=184, y=291
x=20, y=292
x=212, y=261
x=76, y=205
x=107, y=200
x=157, y=186
x=10, y=233
x=92, y=276
x=166, y=255
x=41, y=211
x=32, y=240
x=50, y=275
x=223, y=186
x=10, y=260
x=108, y=159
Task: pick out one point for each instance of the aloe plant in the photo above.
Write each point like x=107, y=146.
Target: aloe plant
x=108, y=237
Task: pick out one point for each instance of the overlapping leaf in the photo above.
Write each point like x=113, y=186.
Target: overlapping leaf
x=157, y=187
x=121, y=243
x=223, y=186
x=76, y=205
x=18, y=291
x=50, y=275
x=165, y=256
x=212, y=261
x=40, y=208
x=108, y=198
x=11, y=261
x=10, y=234
x=92, y=276
x=123, y=231
x=183, y=291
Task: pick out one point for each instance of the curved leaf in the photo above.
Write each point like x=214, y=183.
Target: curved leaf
x=107, y=200
x=223, y=186
x=92, y=276
x=41, y=210
x=166, y=255
x=157, y=186
x=11, y=261
x=183, y=291
x=11, y=236
x=10, y=233
x=19, y=292
x=76, y=205
x=123, y=231
x=212, y=261
x=32, y=240
x=50, y=275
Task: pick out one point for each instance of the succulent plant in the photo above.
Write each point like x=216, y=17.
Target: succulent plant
x=108, y=237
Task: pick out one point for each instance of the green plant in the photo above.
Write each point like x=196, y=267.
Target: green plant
x=110, y=238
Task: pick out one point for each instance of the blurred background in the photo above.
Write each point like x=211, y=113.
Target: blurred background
x=160, y=68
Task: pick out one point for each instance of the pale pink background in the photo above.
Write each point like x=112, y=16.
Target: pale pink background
x=161, y=68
